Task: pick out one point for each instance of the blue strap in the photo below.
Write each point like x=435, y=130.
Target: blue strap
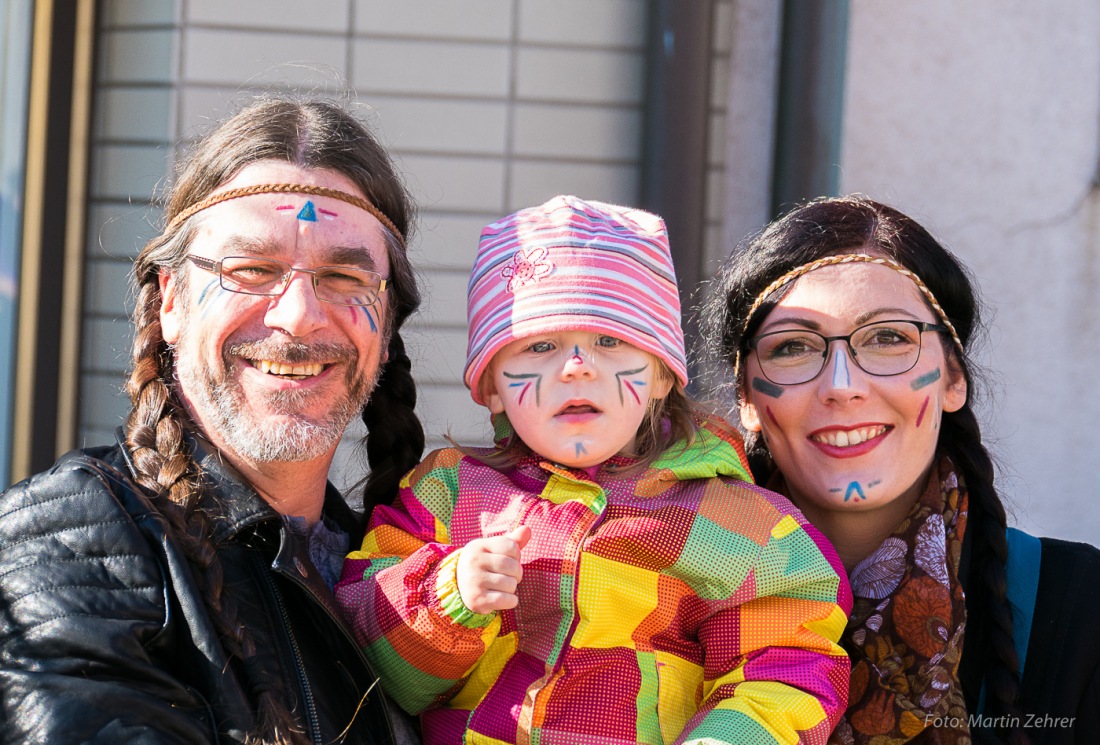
x=1022, y=575
x=1024, y=556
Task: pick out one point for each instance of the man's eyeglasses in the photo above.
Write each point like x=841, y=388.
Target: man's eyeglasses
x=339, y=285
x=882, y=348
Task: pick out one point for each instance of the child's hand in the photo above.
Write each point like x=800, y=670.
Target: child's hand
x=489, y=571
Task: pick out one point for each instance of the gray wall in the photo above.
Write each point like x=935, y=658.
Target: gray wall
x=982, y=121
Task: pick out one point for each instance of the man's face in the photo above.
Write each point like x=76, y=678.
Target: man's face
x=277, y=378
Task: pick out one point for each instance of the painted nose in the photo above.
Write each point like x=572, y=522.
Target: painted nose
x=842, y=378
x=297, y=311
x=578, y=365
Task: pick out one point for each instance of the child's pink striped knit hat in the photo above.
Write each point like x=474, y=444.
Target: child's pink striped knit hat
x=573, y=265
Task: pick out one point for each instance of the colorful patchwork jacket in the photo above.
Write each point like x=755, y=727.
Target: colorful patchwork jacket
x=676, y=603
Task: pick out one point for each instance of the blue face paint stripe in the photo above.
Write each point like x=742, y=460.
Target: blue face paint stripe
x=202, y=295
x=767, y=387
x=580, y=450
x=842, y=378
x=927, y=379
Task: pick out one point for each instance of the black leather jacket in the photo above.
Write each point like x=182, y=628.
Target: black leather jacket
x=105, y=638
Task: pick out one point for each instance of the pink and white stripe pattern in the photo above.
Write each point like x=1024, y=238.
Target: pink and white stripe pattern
x=572, y=264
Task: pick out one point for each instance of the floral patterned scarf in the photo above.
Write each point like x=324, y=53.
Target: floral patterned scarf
x=905, y=635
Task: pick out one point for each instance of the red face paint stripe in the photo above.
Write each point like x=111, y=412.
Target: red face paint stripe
x=633, y=393
x=923, y=406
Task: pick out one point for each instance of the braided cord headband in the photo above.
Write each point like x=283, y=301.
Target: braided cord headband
x=319, y=191
x=798, y=271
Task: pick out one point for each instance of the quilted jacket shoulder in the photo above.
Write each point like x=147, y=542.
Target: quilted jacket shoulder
x=84, y=611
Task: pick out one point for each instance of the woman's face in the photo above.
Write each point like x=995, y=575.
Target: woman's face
x=848, y=440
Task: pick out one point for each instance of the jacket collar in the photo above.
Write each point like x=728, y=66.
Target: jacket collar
x=717, y=450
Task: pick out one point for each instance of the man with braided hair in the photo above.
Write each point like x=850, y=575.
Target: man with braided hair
x=175, y=587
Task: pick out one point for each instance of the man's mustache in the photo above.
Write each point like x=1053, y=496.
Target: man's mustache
x=294, y=353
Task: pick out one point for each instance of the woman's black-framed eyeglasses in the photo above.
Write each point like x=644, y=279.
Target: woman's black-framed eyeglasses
x=882, y=348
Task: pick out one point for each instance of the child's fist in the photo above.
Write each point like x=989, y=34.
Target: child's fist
x=489, y=571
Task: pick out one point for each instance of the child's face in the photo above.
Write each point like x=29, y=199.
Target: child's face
x=575, y=397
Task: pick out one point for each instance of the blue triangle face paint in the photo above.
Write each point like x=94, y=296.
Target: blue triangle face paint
x=308, y=212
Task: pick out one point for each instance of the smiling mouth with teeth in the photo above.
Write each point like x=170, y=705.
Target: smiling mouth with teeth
x=843, y=439
x=270, y=367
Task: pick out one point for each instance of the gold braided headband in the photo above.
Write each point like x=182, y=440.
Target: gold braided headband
x=320, y=191
x=798, y=271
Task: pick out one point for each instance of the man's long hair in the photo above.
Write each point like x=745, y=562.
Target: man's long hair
x=308, y=134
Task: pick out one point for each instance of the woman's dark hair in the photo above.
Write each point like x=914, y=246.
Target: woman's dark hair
x=309, y=134
x=856, y=224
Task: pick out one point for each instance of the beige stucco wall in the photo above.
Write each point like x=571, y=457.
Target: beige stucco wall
x=982, y=120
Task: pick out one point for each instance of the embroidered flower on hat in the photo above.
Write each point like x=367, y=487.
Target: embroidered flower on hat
x=526, y=266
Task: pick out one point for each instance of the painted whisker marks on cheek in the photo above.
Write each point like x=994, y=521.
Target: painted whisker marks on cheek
x=923, y=408
x=356, y=309
x=630, y=384
x=526, y=387
x=927, y=379
x=842, y=377
x=212, y=296
x=205, y=290
x=767, y=387
x=524, y=381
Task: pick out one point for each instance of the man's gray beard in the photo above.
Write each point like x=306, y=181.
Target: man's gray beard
x=292, y=439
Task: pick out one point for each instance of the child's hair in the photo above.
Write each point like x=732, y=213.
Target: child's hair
x=577, y=265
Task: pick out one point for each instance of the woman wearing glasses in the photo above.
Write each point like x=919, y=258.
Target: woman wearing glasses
x=847, y=328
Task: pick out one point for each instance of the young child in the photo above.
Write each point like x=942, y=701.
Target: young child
x=607, y=573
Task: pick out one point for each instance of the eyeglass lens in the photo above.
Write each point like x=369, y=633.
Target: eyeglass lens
x=341, y=285
x=797, y=356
